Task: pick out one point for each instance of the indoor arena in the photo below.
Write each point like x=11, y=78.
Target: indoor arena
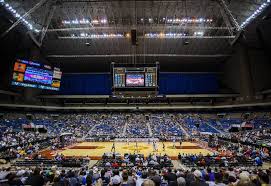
x=135, y=93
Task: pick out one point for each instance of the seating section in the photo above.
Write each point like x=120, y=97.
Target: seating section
x=136, y=126
x=50, y=163
x=227, y=122
x=236, y=152
x=214, y=161
x=131, y=160
x=204, y=127
x=131, y=125
x=165, y=125
x=108, y=125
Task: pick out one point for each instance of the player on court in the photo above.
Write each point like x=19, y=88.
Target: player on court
x=156, y=146
x=136, y=147
x=174, y=143
x=113, y=149
x=153, y=146
x=164, y=146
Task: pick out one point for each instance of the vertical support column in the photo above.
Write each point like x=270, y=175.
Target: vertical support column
x=246, y=81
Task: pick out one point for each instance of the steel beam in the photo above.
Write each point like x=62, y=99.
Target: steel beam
x=228, y=12
x=146, y=37
x=103, y=1
x=47, y=23
x=139, y=27
x=227, y=21
x=33, y=9
x=138, y=55
x=128, y=107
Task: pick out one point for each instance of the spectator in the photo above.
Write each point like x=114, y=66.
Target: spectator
x=198, y=179
x=36, y=179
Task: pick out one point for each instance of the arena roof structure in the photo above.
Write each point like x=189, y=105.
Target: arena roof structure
x=84, y=31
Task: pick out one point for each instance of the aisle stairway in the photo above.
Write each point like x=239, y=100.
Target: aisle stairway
x=178, y=165
x=210, y=125
x=219, y=126
x=124, y=130
x=184, y=131
x=89, y=132
x=150, y=130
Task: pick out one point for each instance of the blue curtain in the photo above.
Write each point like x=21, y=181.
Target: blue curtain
x=86, y=84
x=178, y=83
x=169, y=83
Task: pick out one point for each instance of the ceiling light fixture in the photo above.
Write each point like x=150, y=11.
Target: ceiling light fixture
x=93, y=36
x=84, y=21
x=164, y=35
x=198, y=33
x=17, y=15
x=255, y=14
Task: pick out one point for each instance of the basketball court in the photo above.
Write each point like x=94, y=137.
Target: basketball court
x=95, y=150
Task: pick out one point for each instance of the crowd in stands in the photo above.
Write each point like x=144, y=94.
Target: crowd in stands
x=130, y=160
x=162, y=125
x=260, y=136
x=137, y=126
x=237, y=163
x=169, y=128
x=228, y=155
x=109, y=125
x=135, y=176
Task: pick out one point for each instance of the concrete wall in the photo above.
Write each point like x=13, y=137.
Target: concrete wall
x=231, y=74
x=249, y=74
x=260, y=69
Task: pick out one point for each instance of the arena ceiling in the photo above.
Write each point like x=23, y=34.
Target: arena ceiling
x=70, y=31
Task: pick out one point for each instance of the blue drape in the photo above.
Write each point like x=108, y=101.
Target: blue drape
x=169, y=83
x=178, y=83
x=90, y=84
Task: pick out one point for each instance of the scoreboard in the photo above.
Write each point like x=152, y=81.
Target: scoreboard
x=119, y=77
x=36, y=75
x=134, y=77
x=151, y=77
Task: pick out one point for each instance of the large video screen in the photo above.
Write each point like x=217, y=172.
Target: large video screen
x=36, y=75
x=131, y=77
x=135, y=80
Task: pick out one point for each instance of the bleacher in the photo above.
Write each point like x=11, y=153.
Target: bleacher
x=108, y=158
x=228, y=122
x=211, y=161
x=204, y=127
x=50, y=163
x=165, y=126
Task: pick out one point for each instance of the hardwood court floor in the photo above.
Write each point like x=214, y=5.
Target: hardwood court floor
x=97, y=149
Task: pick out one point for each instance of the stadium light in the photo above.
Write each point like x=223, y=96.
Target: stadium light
x=104, y=21
x=198, y=33
x=127, y=35
x=92, y=36
x=188, y=20
x=18, y=16
x=255, y=14
x=165, y=35
x=84, y=21
x=83, y=35
x=95, y=21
